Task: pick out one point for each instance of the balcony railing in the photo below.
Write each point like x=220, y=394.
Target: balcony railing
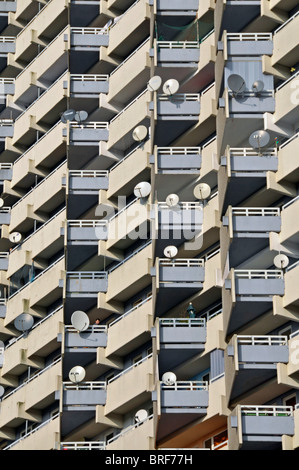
x=129, y=428
x=286, y=23
x=256, y=211
x=186, y=385
x=84, y=386
x=90, y=329
x=131, y=310
x=247, y=152
x=249, y=36
x=130, y=256
x=263, y=340
x=259, y=274
x=265, y=410
x=182, y=262
x=92, y=445
x=183, y=322
x=178, y=44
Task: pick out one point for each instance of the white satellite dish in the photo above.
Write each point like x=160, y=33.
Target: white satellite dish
x=77, y=374
x=259, y=139
x=281, y=261
x=2, y=390
x=24, y=322
x=15, y=237
x=1, y=202
x=171, y=87
x=154, y=83
x=172, y=200
x=141, y=415
x=169, y=378
x=139, y=133
x=80, y=320
x=236, y=83
x=202, y=191
x=81, y=116
x=258, y=86
x=142, y=189
x=170, y=251
x=68, y=115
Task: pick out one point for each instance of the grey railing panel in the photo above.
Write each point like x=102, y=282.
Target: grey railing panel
x=257, y=224
x=84, y=397
x=254, y=163
x=259, y=286
x=183, y=335
x=263, y=353
x=86, y=339
x=181, y=274
x=184, y=398
x=268, y=425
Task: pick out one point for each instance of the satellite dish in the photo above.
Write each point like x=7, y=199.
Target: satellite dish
x=80, y=320
x=169, y=378
x=1, y=202
x=258, y=86
x=154, y=83
x=259, y=139
x=139, y=133
x=170, y=251
x=236, y=83
x=141, y=415
x=171, y=87
x=281, y=261
x=15, y=237
x=24, y=322
x=202, y=191
x=142, y=189
x=172, y=200
x=77, y=374
x=2, y=390
x=68, y=115
x=81, y=116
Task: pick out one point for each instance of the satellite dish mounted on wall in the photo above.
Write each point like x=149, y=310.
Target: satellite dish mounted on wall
x=139, y=133
x=142, y=189
x=24, y=322
x=169, y=378
x=154, y=83
x=170, y=251
x=140, y=416
x=2, y=390
x=202, y=191
x=77, y=374
x=281, y=261
x=68, y=115
x=171, y=87
x=81, y=116
x=15, y=237
x=1, y=202
x=237, y=84
x=80, y=320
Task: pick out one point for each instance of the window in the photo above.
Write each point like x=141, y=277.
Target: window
x=216, y=442
x=290, y=401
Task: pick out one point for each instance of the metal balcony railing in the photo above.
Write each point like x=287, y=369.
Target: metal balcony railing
x=88, y=125
x=290, y=202
x=286, y=23
x=183, y=322
x=180, y=97
x=265, y=410
x=90, y=329
x=129, y=105
x=87, y=223
x=86, y=275
x=130, y=256
x=178, y=150
x=89, y=77
x=6, y=39
x=256, y=211
x=186, y=385
x=182, y=262
x=91, y=31
x=270, y=340
x=248, y=152
x=6, y=166
x=92, y=445
x=89, y=173
x=249, y=36
x=184, y=206
x=129, y=57
x=287, y=81
x=84, y=386
x=259, y=273
x=178, y=45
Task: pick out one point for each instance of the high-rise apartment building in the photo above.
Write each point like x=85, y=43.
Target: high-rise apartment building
x=149, y=221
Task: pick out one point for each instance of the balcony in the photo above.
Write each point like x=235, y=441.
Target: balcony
x=5, y=171
x=251, y=362
x=5, y=215
x=248, y=231
x=180, y=404
x=7, y=6
x=41, y=292
x=177, y=160
x=86, y=232
x=85, y=284
x=7, y=44
x=88, y=340
x=243, y=172
x=4, y=261
x=137, y=323
x=260, y=427
x=92, y=445
x=6, y=129
x=7, y=86
x=175, y=115
x=175, y=7
x=87, y=181
x=179, y=339
x=285, y=51
x=248, y=294
x=87, y=133
x=84, y=396
x=23, y=402
x=177, y=53
x=2, y=308
x=136, y=383
x=175, y=281
x=249, y=44
x=88, y=86
x=83, y=39
x=140, y=436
